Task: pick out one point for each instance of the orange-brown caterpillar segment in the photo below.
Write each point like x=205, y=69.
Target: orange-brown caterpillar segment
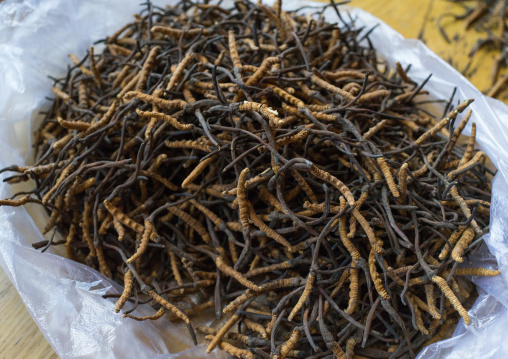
x=288, y=345
x=337, y=351
x=198, y=170
x=86, y=226
x=303, y=134
x=268, y=269
x=145, y=240
x=275, y=20
x=159, y=314
x=168, y=306
x=470, y=146
x=452, y=298
x=188, y=144
x=355, y=254
x=368, y=230
x=159, y=102
x=103, y=265
x=441, y=124
x=388, y=176
x=452, y=240
x=269, y=231
x=127, y=290
x=119, y=229
x=82, y=187
x=465, y=240
x=73, y=125
x=476, y=159
x=128, y=87
x=429, y=293
x=328, y=86
x=82, y=68
x=207, y=212
x=350, y=346
x=402, y=73
x=160, y=179
x=419, y=321
x=402, y=186
x=123, y=218
x=93, y=67
x=176, y=272
x=63, y=174
x=267, y=112
x=192, y=222
x=465, y=209
x=243, y=207
x=60, y=94
x=233, y=50
x=458, y=130
x=103, y=121
x=176, y=33
x=255, y=327
x=175, y=77
x=376, y=278
x=15, y=202
x=232, y=350
x=287, y=96
x=306, y=292
x=260, y=72
x=320, y=207
x=353, y=288
x=477, y=271
x=374, y=96
x=374, y=129
x=230, y=272
x=445, y=331
x=327, y=177
x=147, y=67
x=222, y=331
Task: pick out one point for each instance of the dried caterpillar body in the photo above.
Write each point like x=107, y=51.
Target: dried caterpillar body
x=243, y=208
x=232, y=350
x=192, y=222
x=269, y=231
x=171, y=120
x=159, y=314
x=477, y=271
x=465, y=239
x=429, y=292
x=227, y=270
x=145, y=239
x=335, y=182
x=222, y=331
x=452, y=298
x=353, y=288
x=197, y=171
x=306, y=292
x=378, y=282
x=452, y=240
x=168, y=306
x=147, y=66
x=127, y=290
x=388, y=176
x=123, y=218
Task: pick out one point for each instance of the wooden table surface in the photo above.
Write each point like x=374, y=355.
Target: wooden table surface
x=20, y=336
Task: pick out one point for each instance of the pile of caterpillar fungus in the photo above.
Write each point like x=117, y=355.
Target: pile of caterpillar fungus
x=267, y=168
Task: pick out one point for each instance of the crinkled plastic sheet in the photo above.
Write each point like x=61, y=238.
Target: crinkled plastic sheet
x=65, y=297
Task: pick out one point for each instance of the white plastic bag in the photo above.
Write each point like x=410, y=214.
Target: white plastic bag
x=65, y=298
